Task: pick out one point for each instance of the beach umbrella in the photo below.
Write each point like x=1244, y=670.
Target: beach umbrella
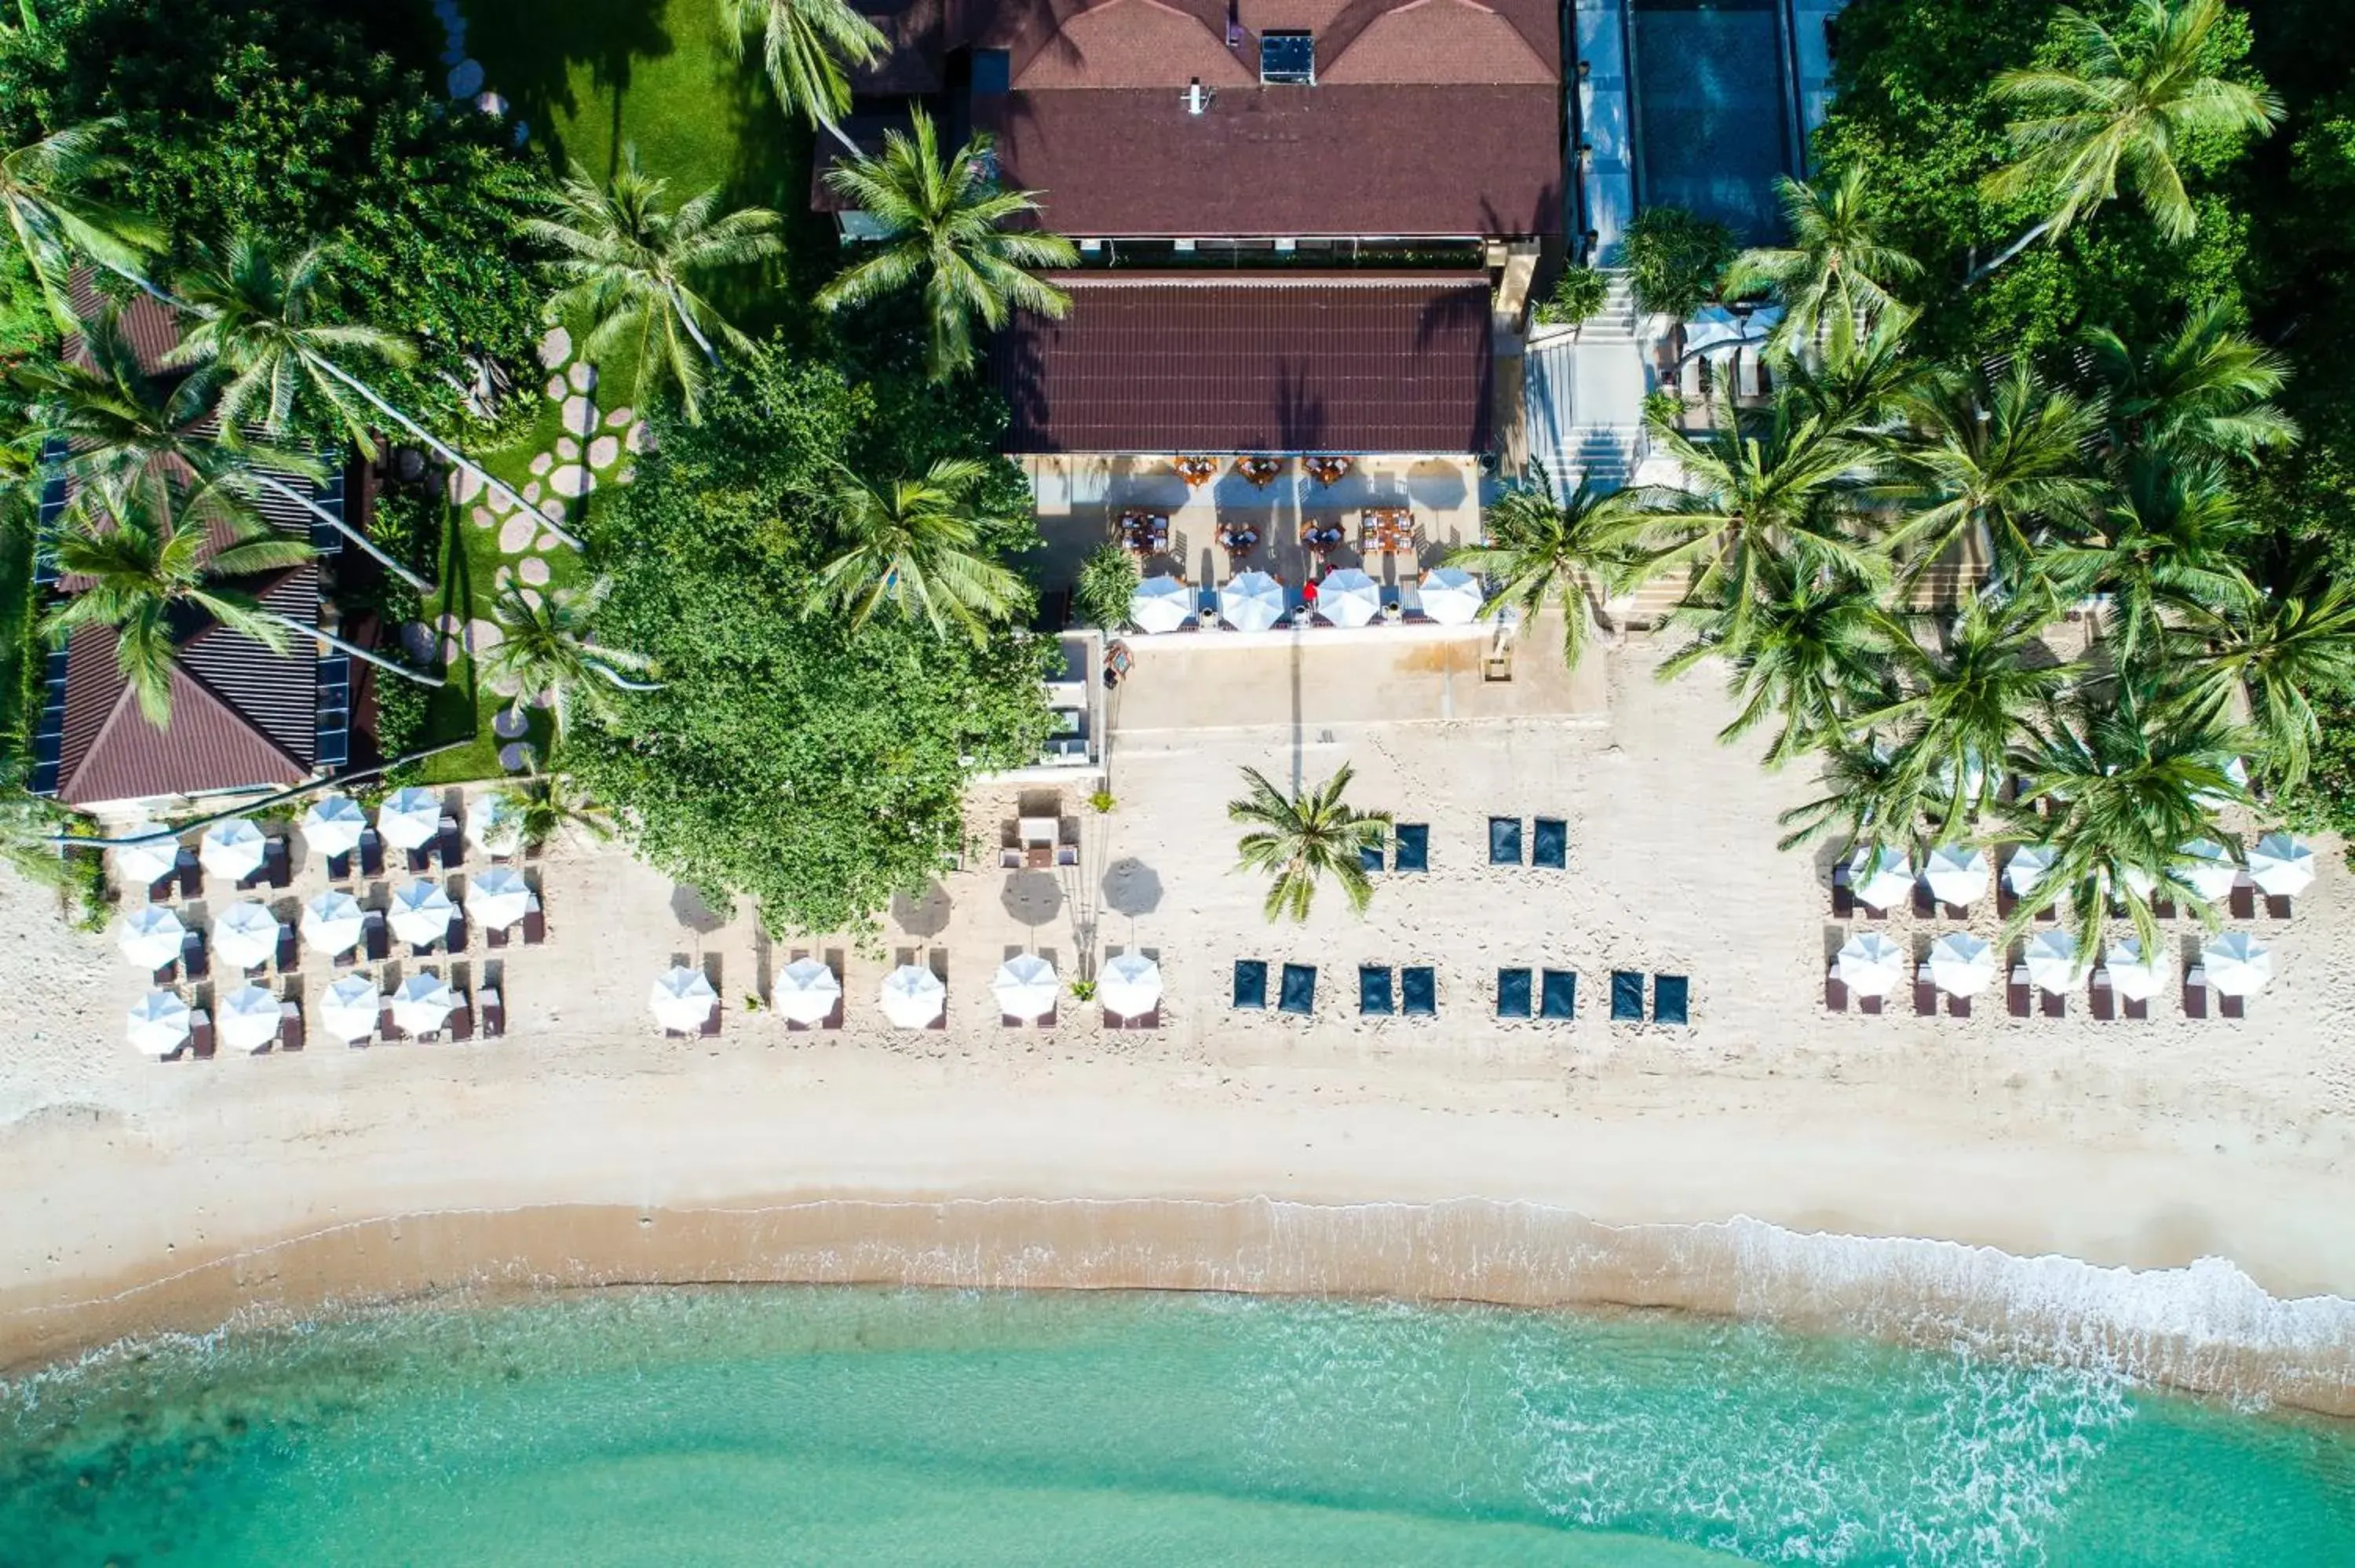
x=422, y=1002
x=1026, y=986
x=1961, y=964
x=2027, y=867
x=1252, y=602
x=1130, y=986
x=348, y=1009
x=2236, y=773
x=1957, y=873
x=912, y=997
x=232, y=849
x=2132, y=975
x=1161, y=603
x=2281, y=865
x=157, y=1023
x=1870, y=964
x=1452, y=595
x=150, y=936
x=421, y=912
x=2052, y=960
x=409, y=818
x=2208, y=867
x=246, y=1018
x=1349, y=598
x=1880, y=877
x=807, y=992
x=2237, y=963
x=245, y=935
x=682, y=999
x=495, y=826
x=332, y=921
x=2138, y=881
x=499, y=897
x=149, y=855
x=332, y=825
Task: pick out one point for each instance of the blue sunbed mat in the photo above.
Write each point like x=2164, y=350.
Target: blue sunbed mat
x=1374, y=989
x=1298, y=993
x=1413, y=847
x=1512, y=993
x=1504, y=840
x=1419, y=990
x=1550, y=844
x=1671, y=994
x=1369, y=857
x=1250, y=983
x=1626, y=996
x=1559, y=997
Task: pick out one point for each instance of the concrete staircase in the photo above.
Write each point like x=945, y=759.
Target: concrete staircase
x=1601, y=439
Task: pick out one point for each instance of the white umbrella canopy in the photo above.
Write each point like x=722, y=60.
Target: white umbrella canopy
x=1961, y=964
x=912, y=997
x=246, y=934
x=2132, y=975
x=2237, y=963
x=149, y=852
x=421, y=912
x=232, y=849
x=2208, y=867
x=2027, y=867
x=332, y=825
x=1957, y=873
x=150, y=936
x=1252, y=601
x=682, y=999
x=421, y=1004
x=499, y=897
x=246, y=1018
x=2236, y=773
x=2138, y=881
x=2052, y=961
x=409, y=818
x=157, y=1023
x=2281, y=865
x=1452, y=595
x=495, y=826
x=332, y=922
x=348, y=1009
x=1161, y=603
x=1349, y=598
x=1870, y=964
x=1130, y=986
x=1880, y=877
x=806, y=992
x=1026, y=986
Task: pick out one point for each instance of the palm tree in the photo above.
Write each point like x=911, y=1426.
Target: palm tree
x=544, y=654
x=1857, y=385
x=2118, y=117
x=1301, y=840
x=42, y=185
x=1541, y=550
x=915, y=546
x=2206, y=391
x=1837, y=267
x=629, y=267
x=943, y=223
x=1814, y=650
x=804, y=44
x=2164, y=546
x=549, y=803
x=1871, y=795
x=2267, y=654
x=1995, y=456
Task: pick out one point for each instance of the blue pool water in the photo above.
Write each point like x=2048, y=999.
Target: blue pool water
x=1711, y=110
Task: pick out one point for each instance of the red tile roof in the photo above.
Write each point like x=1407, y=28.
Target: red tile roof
x=1283, y=362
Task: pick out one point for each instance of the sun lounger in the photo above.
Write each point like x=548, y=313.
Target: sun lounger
x=495, y=1014
x=2104, y=997
x=1843, y=896
x=193, y=963
x=2195, y=993
x=1296, y=993
x=371, y=854
x=376, y=938
x=191, y=873
x=1369, y=857
x=495, y=935
x=2006, y=901
x=275, y=868
x=289, y=950
x=340, y=868
x=1926, y=902
x=456, y=941
x=2245, y=899
x=184, y=868
x=461, y=1019
x=2277, y=906
x=451, y=847
x=1834, y=990
x=290, y=1026
x=385, y=1029
x=1926, y=993
x=2056, y=1004
x=1873, y=1006
x=200, y=1034
x=2017, y=994
x=1250, y=985
x=1558, y=994
x=2134, y=1007
x=1374, y=997
x=1550, y=844
x=534, y=924
x=169, y=974
x=710, y=1029
x=1419, y=990
x=1504, y=840
x=1958, y=1007
x=1671, y=999
x=1512, y=993
x=2229, y=1006
x=1626, y=996
x=420, y=859
x=1413, y=852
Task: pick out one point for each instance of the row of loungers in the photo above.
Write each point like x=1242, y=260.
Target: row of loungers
x=1847, y=905
x=1416, y=993
x=2021, y=997
x=185, y=880
x=1548, y=845
x=195, y=963
x=291, y=1035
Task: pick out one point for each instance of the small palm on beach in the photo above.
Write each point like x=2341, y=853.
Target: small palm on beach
x=1301, y=840
x=1838, y=266
x=1573, y=552
x=546, y=654
x=1816, y=649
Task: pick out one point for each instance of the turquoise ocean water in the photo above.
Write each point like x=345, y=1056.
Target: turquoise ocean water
x=830, y=1425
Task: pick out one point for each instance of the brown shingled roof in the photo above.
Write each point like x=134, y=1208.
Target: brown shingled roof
x=1285, y=363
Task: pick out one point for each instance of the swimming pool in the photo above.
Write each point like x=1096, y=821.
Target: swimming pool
x=1712, y=109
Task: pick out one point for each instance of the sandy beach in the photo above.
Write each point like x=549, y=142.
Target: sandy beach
x=1455, y=1156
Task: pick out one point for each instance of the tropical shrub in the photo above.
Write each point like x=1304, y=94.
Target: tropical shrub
x=1108, y=579
x=1676, y=258
x=1578, y=295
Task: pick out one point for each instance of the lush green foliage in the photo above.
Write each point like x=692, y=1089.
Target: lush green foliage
x=1577, y=296
x=1108, y=580
x=1676, y=259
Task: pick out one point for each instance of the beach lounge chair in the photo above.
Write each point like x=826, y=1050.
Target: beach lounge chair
x=1512, y=993
x=1626, y=996
x=1926, y=993
x=1250, y=985
x=2134, y=1006
x=1374, y=997
x=1843, y=896
x=1504, y=840
x=710, y=1029
x=1558, y=994
x=1550, y=844
x=193, y=961
x=275, y=869
x=534, y=924
x=186, y=877
x=2006, y=900
x=2016, y=997
x=2103, y=997
x=340, y=868
x=456, y=940
x=420, y=859
x=1369, y=857
x=1834, y=990
x=2195, y=993
x=289, y=950
x=495, y=935
x=385, y=1029
x=376, y=938
x=1958, y=1007
x=495, y=1014
x=462, y=1019
x=1419, y=990
x=1871, y=1005
x=1671, y=999
x=169, y=973
x=2243, y=901
x=1926, y=902
x=2056, y=1004
x=2278, y=905
x=200, y=1034
x=451, y=847
x=1413, y=850
x=1297, y=991
x=2229, y=1006
x=290, y=1026
x=371, y=854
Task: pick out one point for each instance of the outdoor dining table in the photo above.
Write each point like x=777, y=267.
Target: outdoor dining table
x=1326, y=470
x=1321, y=536
x=1238, y=538
x=1146, y=533
x=1388, y=530
x=1260, y=472
x=1197, y=471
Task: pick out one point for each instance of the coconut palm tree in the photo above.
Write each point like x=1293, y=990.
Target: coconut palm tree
x=547, y=804
x=1868, y=793
x=1857, y=386
x=545, y=654
x=2164, y=546
x=1993, y=455
x=944, y=225
x=1814, y=651
x=2118, y=116
x=804, y=46
x=1837, y=266
x=2265, y=656
x=915, y=546
x=629, y=267
x=2204, y=392
x=1301, y=840
x=1543, y=550
x=43, y=186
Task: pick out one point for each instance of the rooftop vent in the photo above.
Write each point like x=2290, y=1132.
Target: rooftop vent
x=1288, y=58
x=1198, y=97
